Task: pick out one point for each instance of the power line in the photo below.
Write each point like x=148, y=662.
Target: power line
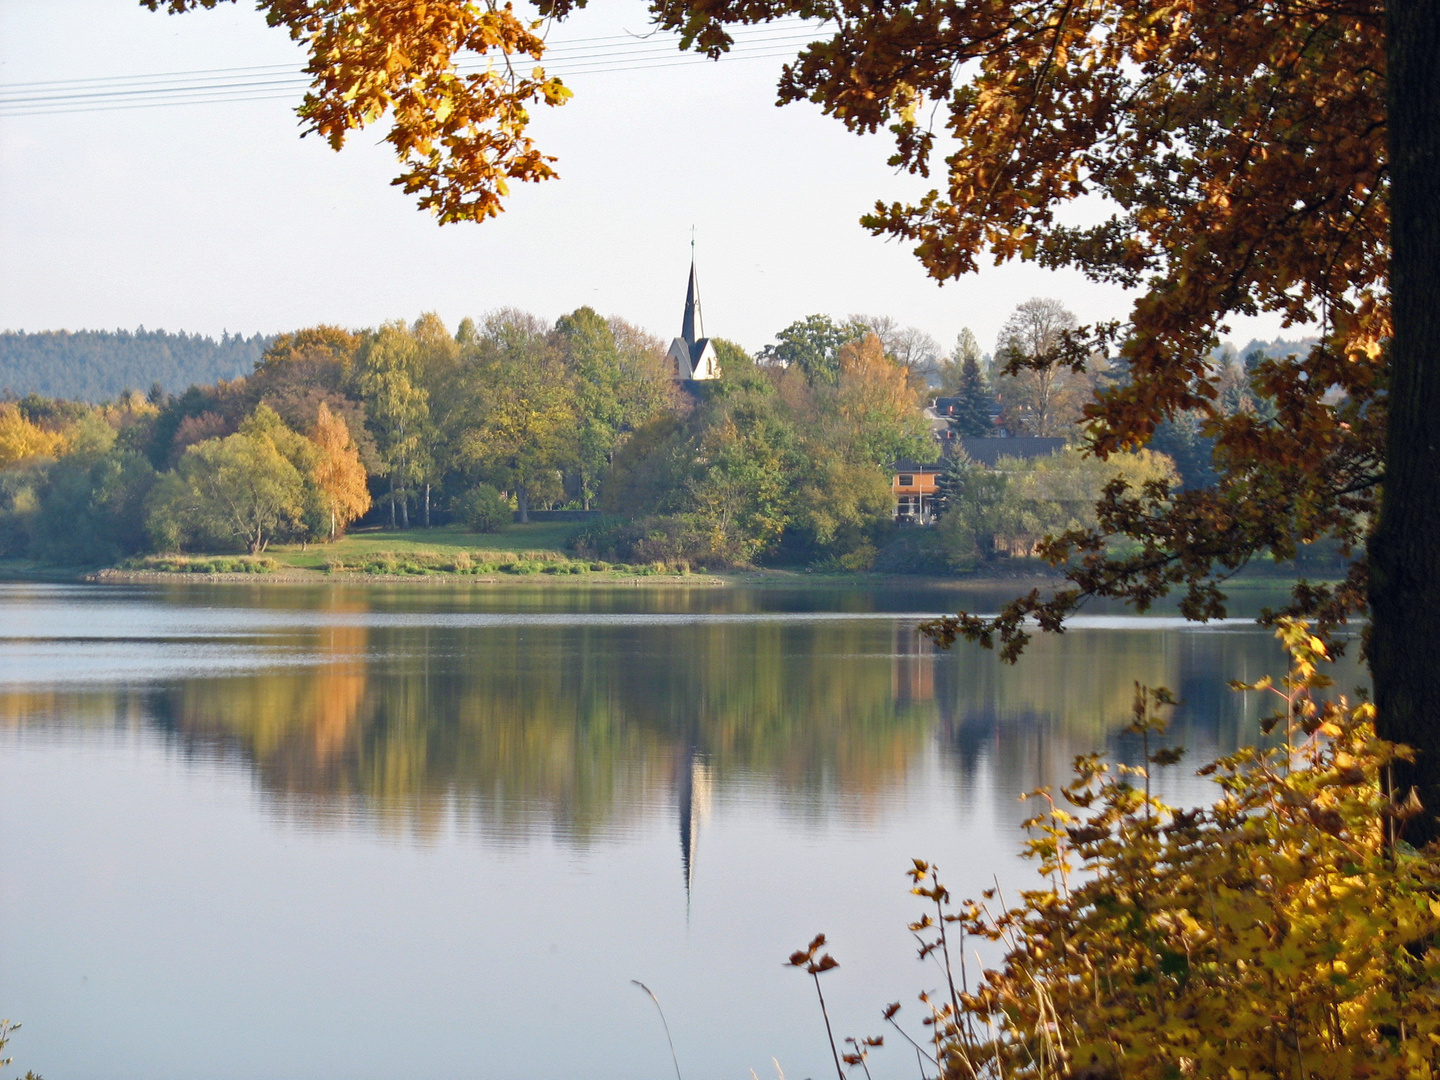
x=578, y=56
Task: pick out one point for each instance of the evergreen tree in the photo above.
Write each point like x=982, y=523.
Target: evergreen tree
x=972, y=417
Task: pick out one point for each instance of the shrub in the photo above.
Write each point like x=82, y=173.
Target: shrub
x=1284, y=931
x=186, y=564
x=484, y=509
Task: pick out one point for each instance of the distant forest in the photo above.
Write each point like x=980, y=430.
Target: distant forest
x=99, y=365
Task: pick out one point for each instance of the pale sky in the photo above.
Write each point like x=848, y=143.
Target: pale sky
x=211, y=217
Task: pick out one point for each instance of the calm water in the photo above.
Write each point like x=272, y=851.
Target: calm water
x=430, y=832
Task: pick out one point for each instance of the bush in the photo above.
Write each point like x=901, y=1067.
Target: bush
x=483, y=509
x=201, y=564
x=1284, y=931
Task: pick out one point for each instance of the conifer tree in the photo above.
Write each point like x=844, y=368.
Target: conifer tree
x=972, y=417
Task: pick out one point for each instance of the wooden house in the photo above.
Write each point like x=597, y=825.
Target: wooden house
x=915, y=488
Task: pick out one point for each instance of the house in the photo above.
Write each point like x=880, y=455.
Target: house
x=915, y=488
x=692, y=353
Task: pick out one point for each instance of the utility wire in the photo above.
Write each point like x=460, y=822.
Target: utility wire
x=579, y=56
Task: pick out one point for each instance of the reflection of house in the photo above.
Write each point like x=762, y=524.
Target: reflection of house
x=692, y=354
x=915, y=490
x=912, y=666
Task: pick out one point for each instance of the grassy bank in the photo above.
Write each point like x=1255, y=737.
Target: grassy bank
x=534, y=552
x=445, y=541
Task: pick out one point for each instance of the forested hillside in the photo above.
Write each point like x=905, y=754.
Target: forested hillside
x=98, y=365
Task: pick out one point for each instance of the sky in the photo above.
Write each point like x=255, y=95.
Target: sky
x=212, y=217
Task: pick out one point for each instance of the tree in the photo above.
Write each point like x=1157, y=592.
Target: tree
x=460, y=137
x=1254, y=154
x=972, y=418
x=908, y=346
x=91, y=508
x=812, y=345
x=436, y=370
x=1038, y=396
x=520, y=407
x=876, y=408
x=338, y=472
x=322, y=348
x=621, y=380
x=239, y=488
x=21, y=440
x=949, y=371
x=387, y=374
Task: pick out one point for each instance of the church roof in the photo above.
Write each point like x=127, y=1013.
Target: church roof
x=693, y=328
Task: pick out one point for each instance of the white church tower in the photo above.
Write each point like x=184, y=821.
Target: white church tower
x=692, y=354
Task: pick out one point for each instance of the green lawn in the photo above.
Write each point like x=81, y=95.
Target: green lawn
x=537, y=536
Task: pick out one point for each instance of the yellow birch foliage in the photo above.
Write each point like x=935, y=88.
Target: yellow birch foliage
x=20, y=439
x=1283, y=932
x=338, y=473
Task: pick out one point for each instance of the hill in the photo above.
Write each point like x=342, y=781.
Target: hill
x=97, y=365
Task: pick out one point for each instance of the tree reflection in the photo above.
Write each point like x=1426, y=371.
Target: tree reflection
x=583, y=728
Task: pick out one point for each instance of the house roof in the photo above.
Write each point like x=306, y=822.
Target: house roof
x=989, y=451
x=905, y=465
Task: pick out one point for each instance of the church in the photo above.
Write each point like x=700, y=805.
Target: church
x=692, y=354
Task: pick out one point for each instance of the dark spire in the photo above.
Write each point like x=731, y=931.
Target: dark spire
x=693, y=328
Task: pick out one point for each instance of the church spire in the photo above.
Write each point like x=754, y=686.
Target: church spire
x=692, y=353
x=693, y=329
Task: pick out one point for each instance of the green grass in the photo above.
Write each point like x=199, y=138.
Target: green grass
x=549, y=536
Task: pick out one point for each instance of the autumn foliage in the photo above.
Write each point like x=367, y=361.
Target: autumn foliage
x=21, y=440
x=460, y=136
x=339, y=474
x=1283, y=931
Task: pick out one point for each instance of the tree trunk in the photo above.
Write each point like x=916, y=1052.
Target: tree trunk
x=427, y=504
x=404, y=509
x=522, y=502
x=1404, y=644
x=392, y=503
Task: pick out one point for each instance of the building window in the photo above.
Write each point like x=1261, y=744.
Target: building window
x=907, y=481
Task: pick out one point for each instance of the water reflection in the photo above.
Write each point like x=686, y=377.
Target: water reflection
x=243, y=823
x=348, y=703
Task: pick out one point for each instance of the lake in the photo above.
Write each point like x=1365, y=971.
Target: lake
x=435, y=831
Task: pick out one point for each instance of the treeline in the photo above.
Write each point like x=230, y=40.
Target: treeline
x=100, y=365
x=414, y=425
x=786, y=459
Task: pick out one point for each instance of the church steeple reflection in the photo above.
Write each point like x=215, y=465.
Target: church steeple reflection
x=692, y=799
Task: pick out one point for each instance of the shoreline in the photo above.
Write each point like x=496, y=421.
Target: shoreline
x=302, y=576
x=17, y=572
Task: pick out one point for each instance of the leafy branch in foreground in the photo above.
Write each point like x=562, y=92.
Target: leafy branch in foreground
x=1284, y=931
x=461, y=137
x=6, y=1030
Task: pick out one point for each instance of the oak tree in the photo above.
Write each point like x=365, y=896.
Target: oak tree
x=460, y=135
